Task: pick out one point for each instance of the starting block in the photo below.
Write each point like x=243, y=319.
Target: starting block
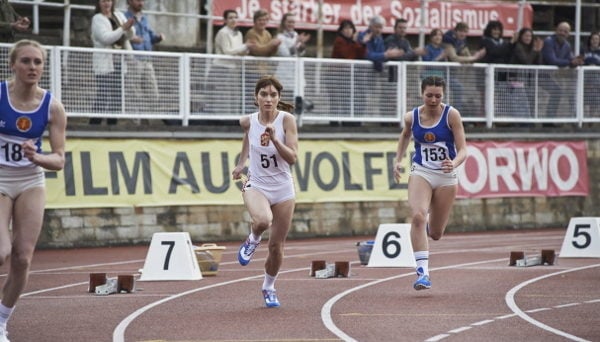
x=103, y=286
x=322, y=270
x=519, y=259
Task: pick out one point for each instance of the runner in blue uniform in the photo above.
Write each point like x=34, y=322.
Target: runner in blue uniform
x=440, y=147
x=26, y=110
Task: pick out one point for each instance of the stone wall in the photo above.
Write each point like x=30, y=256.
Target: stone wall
x=118, y=226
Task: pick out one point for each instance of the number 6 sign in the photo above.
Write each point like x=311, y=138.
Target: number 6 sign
x=582, y=239
x=392, y=247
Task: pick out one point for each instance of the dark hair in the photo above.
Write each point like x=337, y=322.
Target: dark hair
x=589, y=40
x=493, y=24
x=400, y=21
x=434, y=81
x=461, y=26
x=344, y=23
x=434, y=32
x=283, y=19
x=259, y=14
x=268, y=80
x=522, y=32
x=227, y=12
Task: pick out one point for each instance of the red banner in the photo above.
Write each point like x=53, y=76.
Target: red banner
x=436, y=14
x=518, y=169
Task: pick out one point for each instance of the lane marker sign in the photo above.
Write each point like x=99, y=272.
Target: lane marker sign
x=582, y=239
x=171, y=257
x=392, y=247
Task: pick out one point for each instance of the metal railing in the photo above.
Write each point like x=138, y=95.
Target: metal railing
x=191, y=86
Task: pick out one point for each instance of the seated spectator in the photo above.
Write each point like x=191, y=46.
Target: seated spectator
x=497, y=49
x=293, y=44
x=345, y=45
x=557, y=51
x=591, y=56
x=110, y=30
x=398, y=41
x=11, y=22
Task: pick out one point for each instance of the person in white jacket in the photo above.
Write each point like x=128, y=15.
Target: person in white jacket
x=293, y=44
x=110, y=30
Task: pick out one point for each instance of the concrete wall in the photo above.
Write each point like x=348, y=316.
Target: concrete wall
x=116, y=226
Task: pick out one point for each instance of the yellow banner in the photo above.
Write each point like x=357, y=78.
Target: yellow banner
x=152, y=172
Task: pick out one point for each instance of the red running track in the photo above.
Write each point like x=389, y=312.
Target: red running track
x=475, y=296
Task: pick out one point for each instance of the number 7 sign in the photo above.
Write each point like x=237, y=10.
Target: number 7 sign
x=171, y=256
x=392, y=247
x=582, y=239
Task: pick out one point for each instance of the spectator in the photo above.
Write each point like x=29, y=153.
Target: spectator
x=338, y=75
x=292, y=44
x=434, y=51
x=226, y=74
x=455, y=43
x=345, y=45
x=591, y=56
x=398, y=40
x=527, y=49
x=262, y=44
x=142, y=76
x=497, y=49
x=110, y=30
x=557, y=51
x=521, y=88
x=371, y=88
x=372, y=38
x=11, y=21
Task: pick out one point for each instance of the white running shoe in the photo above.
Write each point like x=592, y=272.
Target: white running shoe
x=3, y=334
x=246, y=251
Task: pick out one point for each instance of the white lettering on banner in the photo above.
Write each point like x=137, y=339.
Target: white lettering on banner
x=435, y=14
x=519, y=168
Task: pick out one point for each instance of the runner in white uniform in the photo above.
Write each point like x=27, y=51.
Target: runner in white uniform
x=440, y=147
x=271, y=143
x=26, y=110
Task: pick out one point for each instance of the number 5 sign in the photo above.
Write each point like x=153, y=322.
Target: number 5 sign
x=392, y=247
x=582, y=239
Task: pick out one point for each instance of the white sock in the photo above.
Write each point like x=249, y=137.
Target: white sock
x=5, y=313
x=254, y=238
x=422, y=259
x=269, y=282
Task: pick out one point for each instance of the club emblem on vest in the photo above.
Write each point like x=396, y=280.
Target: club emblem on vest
x=429, y=137
x=23, y=124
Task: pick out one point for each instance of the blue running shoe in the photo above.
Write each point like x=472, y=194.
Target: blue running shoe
x=270, y=297
x=422, y=283
x=246, y=251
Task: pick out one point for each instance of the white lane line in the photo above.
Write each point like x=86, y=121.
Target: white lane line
x=437, y=338
x=119, y=332
x=567, y=305
x=459, y=330
x=510, y=301
x=538, y=310
x=482, y=322
x=326, y=309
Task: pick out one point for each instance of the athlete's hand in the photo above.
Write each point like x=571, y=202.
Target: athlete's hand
x=237, y=172
x=270, y=130
x=29, y=150
x=447, y=166
x=397, y=172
